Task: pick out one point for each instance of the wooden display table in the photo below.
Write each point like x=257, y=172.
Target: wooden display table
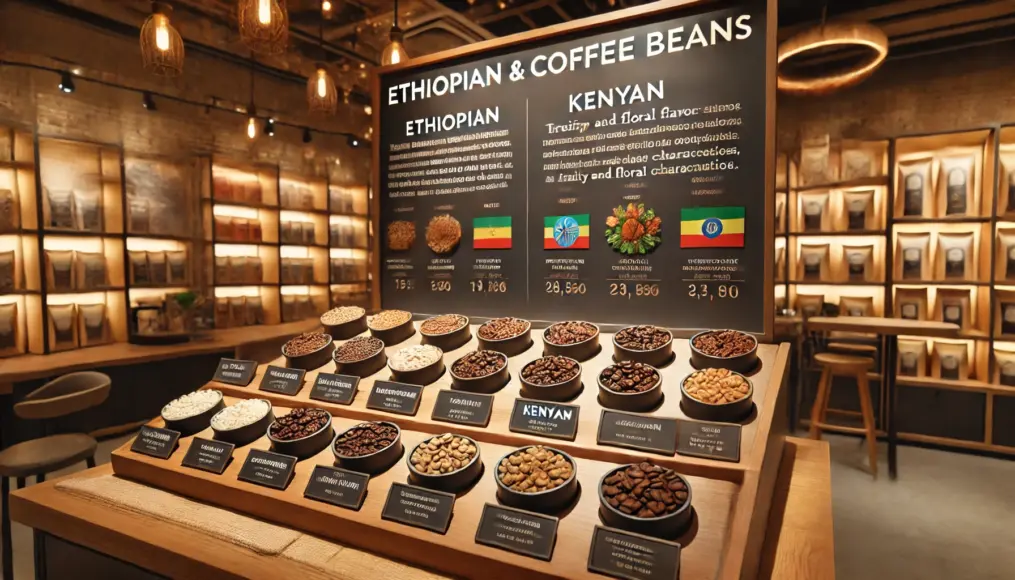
x=798, y=542
x=890, y=329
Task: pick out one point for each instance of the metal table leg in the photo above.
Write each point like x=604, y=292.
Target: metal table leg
x=891, y=347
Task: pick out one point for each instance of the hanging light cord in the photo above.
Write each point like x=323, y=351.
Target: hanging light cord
x=396, y=13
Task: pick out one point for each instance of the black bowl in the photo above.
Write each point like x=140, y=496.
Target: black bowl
x=724, y=412
x=668, y=526
x=580, y=351
x=375, y=462
x=395, y=335
x=743, y=364
x=635, y=402
x=196, y=423
x=563, y=391
x=311, y=360
x=655, y=357
x=549, y=501
x=451, y=482
x=511, y=346
x=489, y=384
x=247, y=433
x=365, y=367
x=346, y=330
x=423, y=376
x=449, y=340
x=304, y=447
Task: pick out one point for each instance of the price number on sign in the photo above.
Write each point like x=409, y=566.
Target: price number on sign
x=565, y=288
x=710, y=293
x=440, y=285
x=404, y=284
x=491, y=286
x=626, y=290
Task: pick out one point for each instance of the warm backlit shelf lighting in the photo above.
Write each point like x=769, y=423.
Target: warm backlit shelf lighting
x=86, y=244
x=86, y=298
x=295, y=216
x=154, y=245
x=295, y=290
x=225, y=210
x=236, y=250
x=233, y=291
x=294, y=252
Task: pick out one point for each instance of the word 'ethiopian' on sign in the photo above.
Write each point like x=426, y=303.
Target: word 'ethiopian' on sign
x=712, y=227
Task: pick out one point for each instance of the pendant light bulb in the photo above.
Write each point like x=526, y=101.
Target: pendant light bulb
x=161, y=32
x=322, y=83
x=394, y=52
x=264, y=11
x=162, y=50
x=252, y=128
x=66, y=82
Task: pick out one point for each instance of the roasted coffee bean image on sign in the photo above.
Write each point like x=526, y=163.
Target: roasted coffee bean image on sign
x=443, y=324
x=629, y=377
x=503, y=328
x=365, y=439
x=481, y=363
x=401, y=235
x=716, y=386
x=305, y=343
x=443, y=454
x=551, y=370
x=643, y=337
x=443, y=233
x=725, y=343
x=299, y=423
x=357, y=349
x=570, y=332
x=534, y=469
x=645, y=490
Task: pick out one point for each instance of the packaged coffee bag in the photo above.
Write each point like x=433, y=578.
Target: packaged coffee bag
x=61, y=209
x=953, y=305
x=912, y=358
x=157, y=268
x=8, y=272
x=911, y=303
x=813, y=208
x=10, y=339
x=140, y=274
x=91, y=271
x=9, y=212
x=912, y=261
x=255, y=310
x=88, y=210
x=856, y=306
x=60, y=270
x=951, y=360
x=859, y=206
x=814, y=161
x=63, y=333
x=1004, y=312
x=955, y=186
x=955, y=259
x=813, y=262
x=858, y=263
x=177, y=266
x=912, y=196
x=93, y=329
x=1004, y=368
x=1005, y=259
x=808, y=305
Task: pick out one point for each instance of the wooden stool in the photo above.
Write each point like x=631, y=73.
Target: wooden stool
x=841, y=365
x=58, y=398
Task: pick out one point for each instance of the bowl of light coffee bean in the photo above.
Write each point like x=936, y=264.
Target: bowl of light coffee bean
x=447, y=462
x=717, y=395
x=537, y=478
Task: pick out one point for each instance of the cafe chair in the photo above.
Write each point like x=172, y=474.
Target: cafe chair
x=60, y=397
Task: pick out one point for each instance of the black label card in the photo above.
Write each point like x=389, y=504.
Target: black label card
x=268, y=469
x=709, y=440
x=235, y=372
x=419, y=507
x=282, y=380
x=462, y=407
x=208, y=455
x=336, y=486
x=655, y=434
x=395, y=397
x=155, y=441
x=632, y=556
x=556, y=420
x=526, y=533
x=339, y=389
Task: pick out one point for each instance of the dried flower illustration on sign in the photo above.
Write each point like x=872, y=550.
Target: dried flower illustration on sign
x=634, y=230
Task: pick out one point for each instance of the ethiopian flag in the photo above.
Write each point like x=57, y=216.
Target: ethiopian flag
x=491, y=233
x=712, y=227
x=566, y=232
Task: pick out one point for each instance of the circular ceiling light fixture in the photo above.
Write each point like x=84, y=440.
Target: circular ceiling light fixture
x=841, y=54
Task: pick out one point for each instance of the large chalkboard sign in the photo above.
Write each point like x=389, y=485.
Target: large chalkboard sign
x=617, y=172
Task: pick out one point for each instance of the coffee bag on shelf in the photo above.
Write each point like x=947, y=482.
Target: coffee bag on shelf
x=140, y=273
x=858, y=263
x=176, y=265
x=157, y=268
x=780, y=263
x=63, y=328
x=1004, y=368
x=60, y=207
x=815, y=167
x=780, y=212
x=858, y=207
x=140, y=216
x=953, y=306
x=856, y=306
x=1005, y=259
x=955, y=195
x=237, y=311
x=60, y=270
x=912, y=358
x=10, y=339
x=911, y=303
x=859, y=162
x=951, y=360
x=913, y=189
x=222, y=312
x=88, y=210
x=93, y=327
x=955, y=259
x=8, y=271
x=912, y=256
x=1006, y=184
x=1004, y=312
x=91, y=271
x=223, y=270
x=9, y=212
x=813, y=263
x=814, y=211
x=808, y=305
x=254, y=311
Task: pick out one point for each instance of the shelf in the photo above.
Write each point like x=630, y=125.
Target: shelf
x=171, y=237
x=244, y=285
x=20, y=292
x=19, y=232
x=350, y=282
x=945, y=220
x=347, y=214
x=17, y=165
x=832, y=283
x=158, y=286
x=250, y=204
x=876, y=181
x=323, y=212
x=938, y=283
x=81, y=234
x=51, y=293
x=368, y=248
x=966, y=385
x=838, y=234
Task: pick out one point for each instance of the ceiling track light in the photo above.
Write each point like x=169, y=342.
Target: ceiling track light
x=307, y=135
x=148, y=102
x=353, y=141
x=66, y=82
x=394, y=52
x=269, y=127
x=264, y=25
x=161, y=45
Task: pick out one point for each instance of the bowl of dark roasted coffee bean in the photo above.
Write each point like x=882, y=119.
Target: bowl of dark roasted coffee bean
x=446, y=331
x=419, y=364
x=537, y=478
x=717, y=395
x=574, y=338
x=391, y=326
x=630, y=386
x=552, y=378
x=647, y=344
x=480, y=371
x=360, y=357
x=510, y=336
x=446, y=462
x=370, y=447
x=646, y=499
x=308, y=351
x=344, y=322
x=724, y=349
x=303, y=432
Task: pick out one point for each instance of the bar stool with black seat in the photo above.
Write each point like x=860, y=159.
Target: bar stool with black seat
x=60, y=397
x=851, y=366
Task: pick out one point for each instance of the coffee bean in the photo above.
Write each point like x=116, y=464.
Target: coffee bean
x=643, y=337
x=725, y=343
x=503, y=328
x=443, y=454
x=388, y=319
x=570, y=332
x=480, y=363
x=364, y=439
x=645, y=490
x=299, y=423
x=357, y=349
x=551, y=370
x=629, y=377
x=534, y=469
x=305, y=343
x=716, y=386
x=443, y=324
x=342, y=314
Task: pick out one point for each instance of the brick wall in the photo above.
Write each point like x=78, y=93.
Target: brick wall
x=30, y=98
x=962, y=89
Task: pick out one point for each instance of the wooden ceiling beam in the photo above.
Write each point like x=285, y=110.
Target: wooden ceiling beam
x=517, y=10
x=944, y=18
x=889, y=10
x=560, y=11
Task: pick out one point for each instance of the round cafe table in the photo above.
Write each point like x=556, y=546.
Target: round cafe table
x=890, y=329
